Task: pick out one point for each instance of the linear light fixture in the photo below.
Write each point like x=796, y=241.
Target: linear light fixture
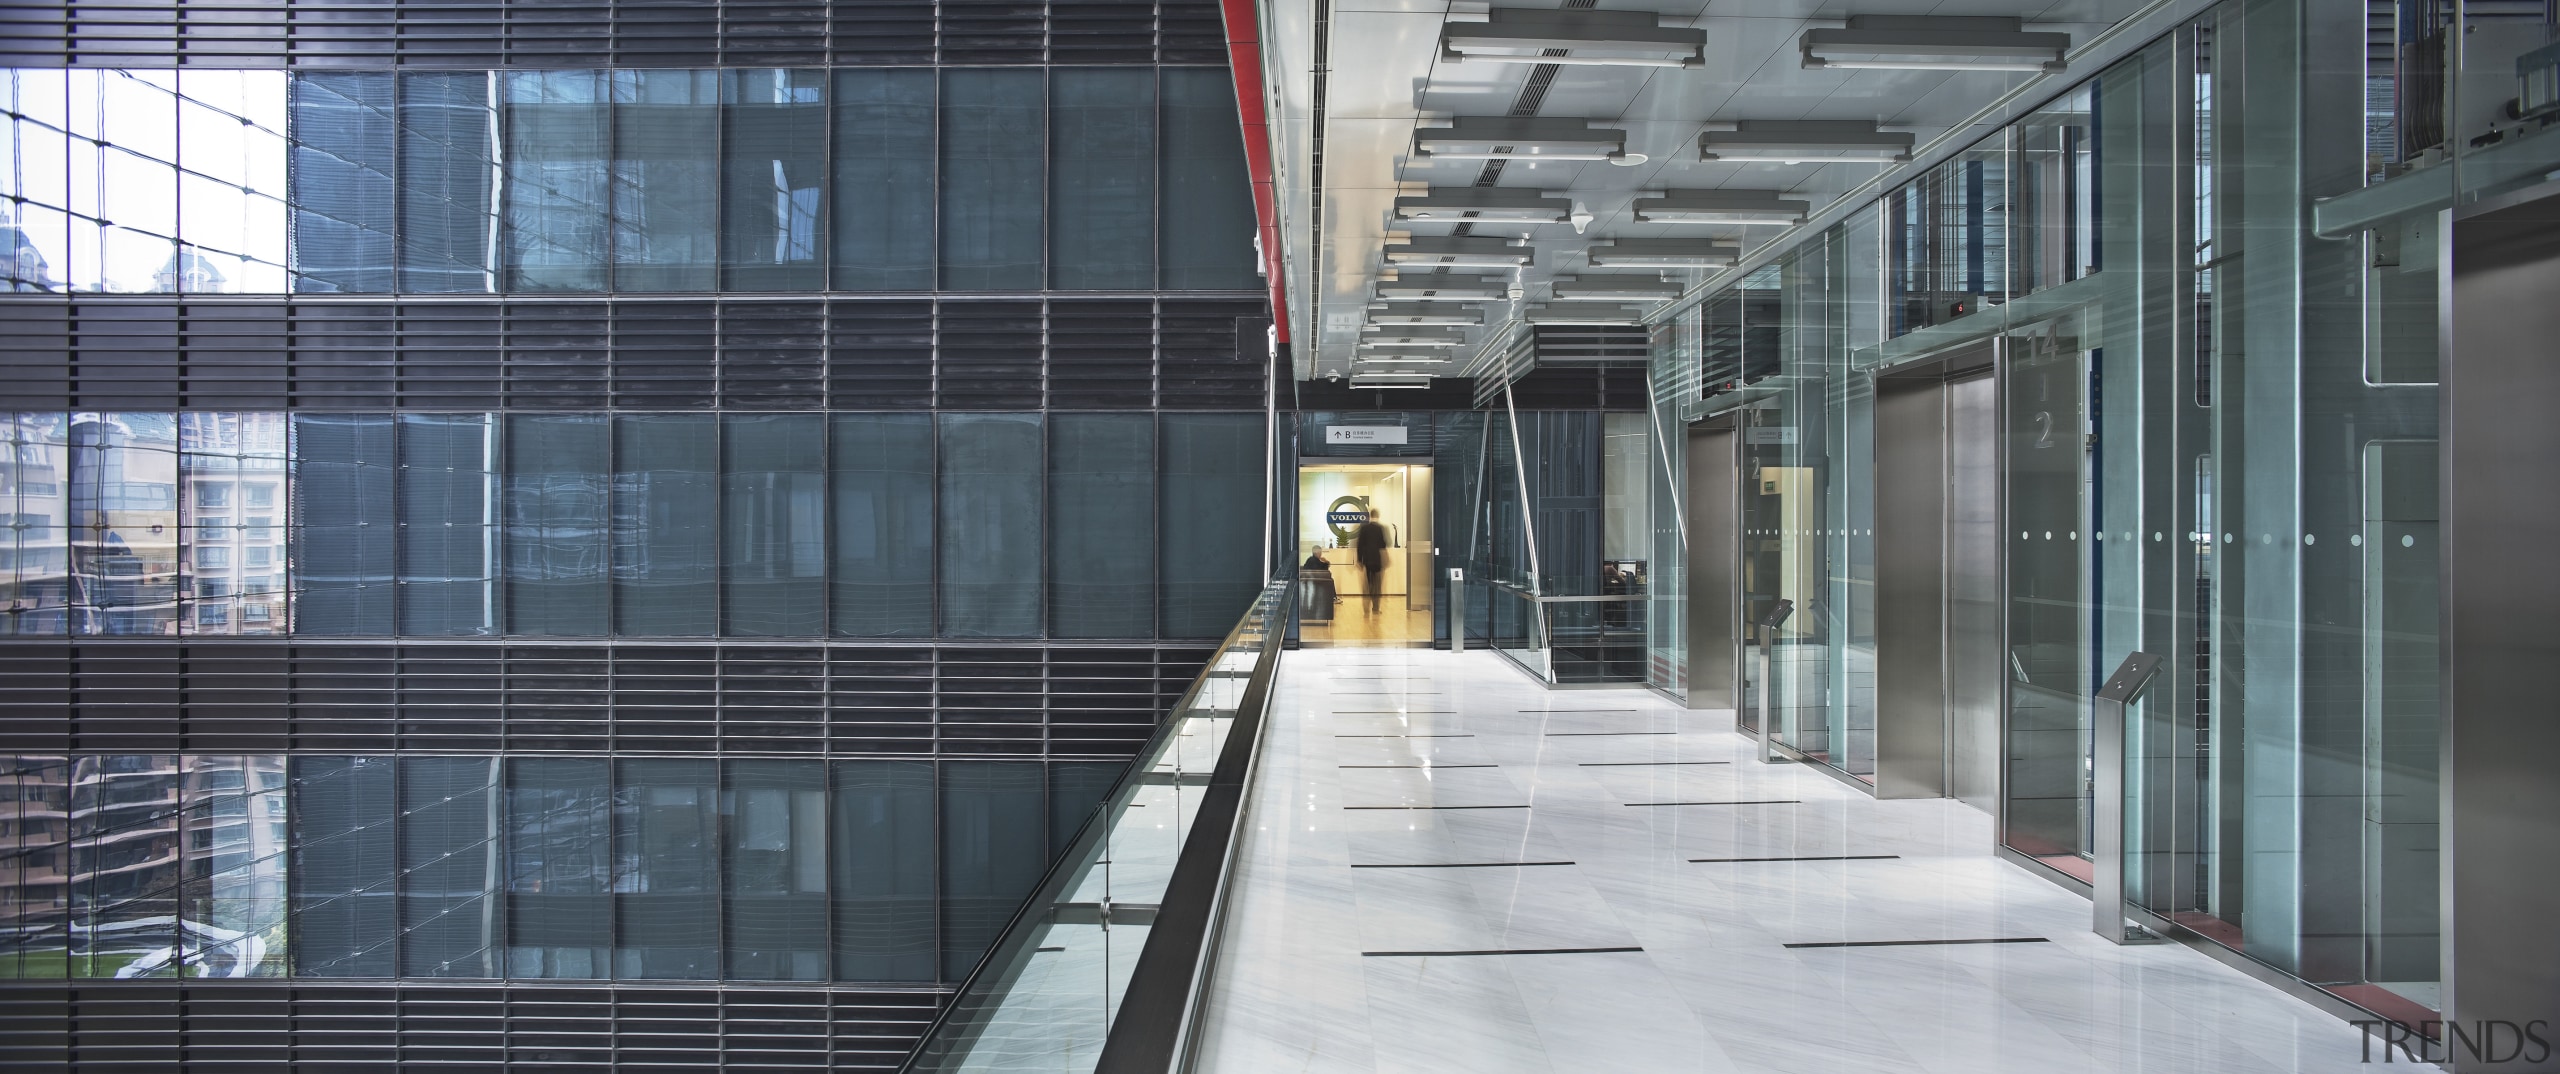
x=1575, y=36
x=1615, y=285
x=1935, y=43
x=1806, y=142
x=1433, y=286
x=1390, y=380
x=1402, y=359
x=1425, y=313
x=1460, y=251
x=1663, y=253
x=1582, y=313
x=1522, y=138
x=1486, y=203
x=1411, y=335
x=1721, y=207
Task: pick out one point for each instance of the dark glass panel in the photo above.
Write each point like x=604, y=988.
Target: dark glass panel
x=774, y=173
x=449, y=867
x=35, y=865
x=344, y=919
x=1102, y=178
x=666, y=530
x=993, y=128
x=990, y=538
x=344, y=145
x=1075, y=787
x=125, y=865
x=774, y=524
x=884, y=180
x=666, y=173
x=883, y=875
x=558, y=157
x=994, y=847
x=1208, y=226
x=123, y=493
x=666, y=869
x=555, y=524
x=1102, y=470
x=559, y=866
x=341, y=543
x=882, y=485
x=448, y=167
x=448, y=536
x=774, y=908
x=1211, y=513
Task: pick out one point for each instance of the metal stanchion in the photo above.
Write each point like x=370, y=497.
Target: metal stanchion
x=1457, y=609
x=1768, y=640
x=2106, y=805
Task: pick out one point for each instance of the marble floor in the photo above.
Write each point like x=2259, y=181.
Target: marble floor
x=1450, y=868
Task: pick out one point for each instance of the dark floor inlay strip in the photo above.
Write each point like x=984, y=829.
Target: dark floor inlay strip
x=1404, y=736
x=1435, y=807
x=1507, y=951
x=1588, y=734
x=1616, y=764
x=1417, y=766
x=1464, y=865
x=1751, y=801
x=1923, y=943
x=1813, y=857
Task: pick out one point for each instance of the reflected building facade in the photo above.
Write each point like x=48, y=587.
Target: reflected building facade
x=700, y=531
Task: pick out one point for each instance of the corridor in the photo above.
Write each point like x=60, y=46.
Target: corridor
x=1449, y=868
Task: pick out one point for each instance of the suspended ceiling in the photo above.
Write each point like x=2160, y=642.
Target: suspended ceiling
x=1382, y=77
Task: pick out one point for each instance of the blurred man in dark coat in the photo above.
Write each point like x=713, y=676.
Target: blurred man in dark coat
x=1370, y=545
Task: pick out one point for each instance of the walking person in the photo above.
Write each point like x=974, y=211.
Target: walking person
x=1370, y=546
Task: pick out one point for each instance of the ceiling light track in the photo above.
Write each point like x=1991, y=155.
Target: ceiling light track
x=1485, y=205
x=1574, y=37
x=1935, y=43
x=1721, y=207
x=1663, y=253
x=1530, y=138
x=1460, y=251
x=1805, y=142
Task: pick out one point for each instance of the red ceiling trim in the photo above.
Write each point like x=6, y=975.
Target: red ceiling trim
x=1244, y=58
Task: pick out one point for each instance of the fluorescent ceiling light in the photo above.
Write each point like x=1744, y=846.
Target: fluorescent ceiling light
x=1402, y=359
x=1416, y=335
x=1721, y=207
x=1609, y=285
x=1485, y=203
x=1426, y=313
x=1582, y=313
x=1429, y=286
x=1391, y=380
x=1935, y=43
x=1463, y=251
x=1520, y=138
x=1663, y=253
x=1808, y=141
x=1580, y=36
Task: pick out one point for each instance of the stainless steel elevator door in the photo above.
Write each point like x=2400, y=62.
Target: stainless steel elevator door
x=1973, y=546
x=1715, y=554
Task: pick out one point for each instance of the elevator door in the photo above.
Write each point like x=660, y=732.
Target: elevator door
x=1973, y=592
x=1715, y=553
x=1937, y=639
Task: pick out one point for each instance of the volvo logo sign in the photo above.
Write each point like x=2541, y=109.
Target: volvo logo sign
x=1345, y=516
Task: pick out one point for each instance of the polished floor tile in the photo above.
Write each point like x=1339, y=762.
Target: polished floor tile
x=1507, y=961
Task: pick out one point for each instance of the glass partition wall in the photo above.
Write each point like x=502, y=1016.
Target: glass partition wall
x=2216, y=443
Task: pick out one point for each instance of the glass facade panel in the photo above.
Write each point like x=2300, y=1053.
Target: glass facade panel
x=345, y=144
x=993, y=148
x=1206, y=235
x=995, y=840
x=882, y=481
x=556, y=529
x=344, y=867
x=559, y=866
x=666, y=869
x=774, y=903
x=1102, y=499
x=450, y=867
x=558, y=155
x=231, y=910
x=447, y=175
x=666, y=180
x=342, y=534
x=1102, y=178
x=125, y=865
x=666, y=533
x=992, y=539
x=448, y=505
x=1209, y=509
x=123, y=491
x=883, y=874
x=884, y=179
x=773, y=152
x=773, y=536
x=35, y=866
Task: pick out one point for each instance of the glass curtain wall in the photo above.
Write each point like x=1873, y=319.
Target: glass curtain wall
x=2217, y=440
x=523, y=867
x=1064, y=525
x=264, y=182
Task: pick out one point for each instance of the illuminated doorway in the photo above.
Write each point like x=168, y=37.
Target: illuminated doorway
x=1338, y=607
